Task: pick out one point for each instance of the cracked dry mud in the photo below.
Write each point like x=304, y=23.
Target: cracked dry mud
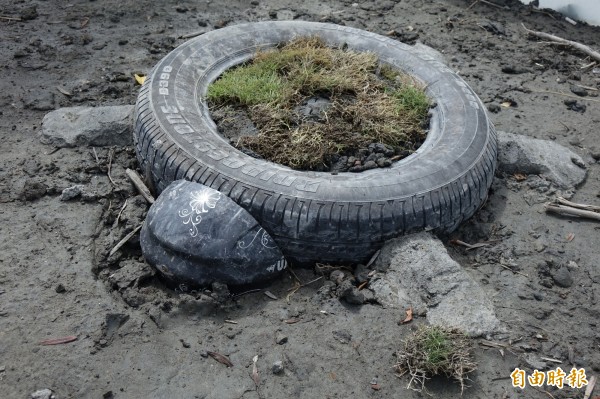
x=138, y=338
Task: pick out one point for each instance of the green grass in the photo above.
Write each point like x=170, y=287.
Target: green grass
x=371, y=99
x=434, y=350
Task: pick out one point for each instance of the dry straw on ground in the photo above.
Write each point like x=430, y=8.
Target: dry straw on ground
x=432, y=351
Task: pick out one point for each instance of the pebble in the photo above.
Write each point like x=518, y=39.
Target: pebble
x=60, y=289
x=184, y=343
x=562, y=277
x=580, y=91
x=277, y=367
x=595, y=153
x=494, y=108
x=337, y=276
x=71, y=192
x=350, y=293
x=576, y=106
x=281, y=338
x=42, y=394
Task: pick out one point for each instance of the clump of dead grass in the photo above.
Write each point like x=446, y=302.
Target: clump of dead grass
x=369, y=103
x=432, y=351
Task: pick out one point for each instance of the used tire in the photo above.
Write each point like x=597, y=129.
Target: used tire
x=317, y=216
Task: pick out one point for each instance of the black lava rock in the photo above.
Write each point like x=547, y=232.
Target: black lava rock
x=195, y=235
x=576, y=106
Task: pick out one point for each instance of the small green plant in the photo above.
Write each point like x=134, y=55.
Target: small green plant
x=432, y=351
x=369, y=102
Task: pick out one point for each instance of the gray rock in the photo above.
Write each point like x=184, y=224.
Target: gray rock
x=350, y=293
x=71, y=192
x=83, y=126
x=277, y=367
x=562, y=277
x=197, y=236
x=523, y=154
x=43, y=394
x=420, y=273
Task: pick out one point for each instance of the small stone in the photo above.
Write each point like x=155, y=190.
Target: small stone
x=384, y=162
x=494, y=108
x=2, y=369
x=184, y=343
x=277, y=367
x=280, y=338
x=576, y=106
x=42, y=394
x=370, y=165
x=562, y=277
x=337, y=276
x=595, y=153
x=580, y=91
x=350, y=293
x=71, y=192
x=28, y=13
x=510, y=69
x=60, y=289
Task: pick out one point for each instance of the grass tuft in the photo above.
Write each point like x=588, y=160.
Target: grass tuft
x=432, y=351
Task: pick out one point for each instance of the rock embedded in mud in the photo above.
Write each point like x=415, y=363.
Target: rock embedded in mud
x=196, y=236
x=575, y=105
x=72, y=192
x=88, y=126
x=580, y=91
x=43, y=394
x=420, y=273
x=562, y=277
x=277, y=367
x=522, y=154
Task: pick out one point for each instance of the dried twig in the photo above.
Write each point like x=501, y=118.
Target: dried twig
x=560, y=93
x=590, y=387
x=586, y=207
x=124, y=240
x=9, y=18
x=121, y=211
x=570, y=211
x=96, y=155
x=139, y=184
x=193, y=34
x=111, y=153
x=473, y=246
x=58, y=341
x=220, y=358
x=581, y=47
x=513, y=270
x=549, y=359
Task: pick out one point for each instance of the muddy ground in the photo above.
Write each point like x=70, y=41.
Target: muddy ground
x=137, y=338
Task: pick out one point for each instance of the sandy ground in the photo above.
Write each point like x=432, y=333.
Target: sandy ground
x=137, y=338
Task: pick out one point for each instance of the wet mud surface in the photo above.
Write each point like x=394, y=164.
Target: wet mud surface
x=136, y=337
